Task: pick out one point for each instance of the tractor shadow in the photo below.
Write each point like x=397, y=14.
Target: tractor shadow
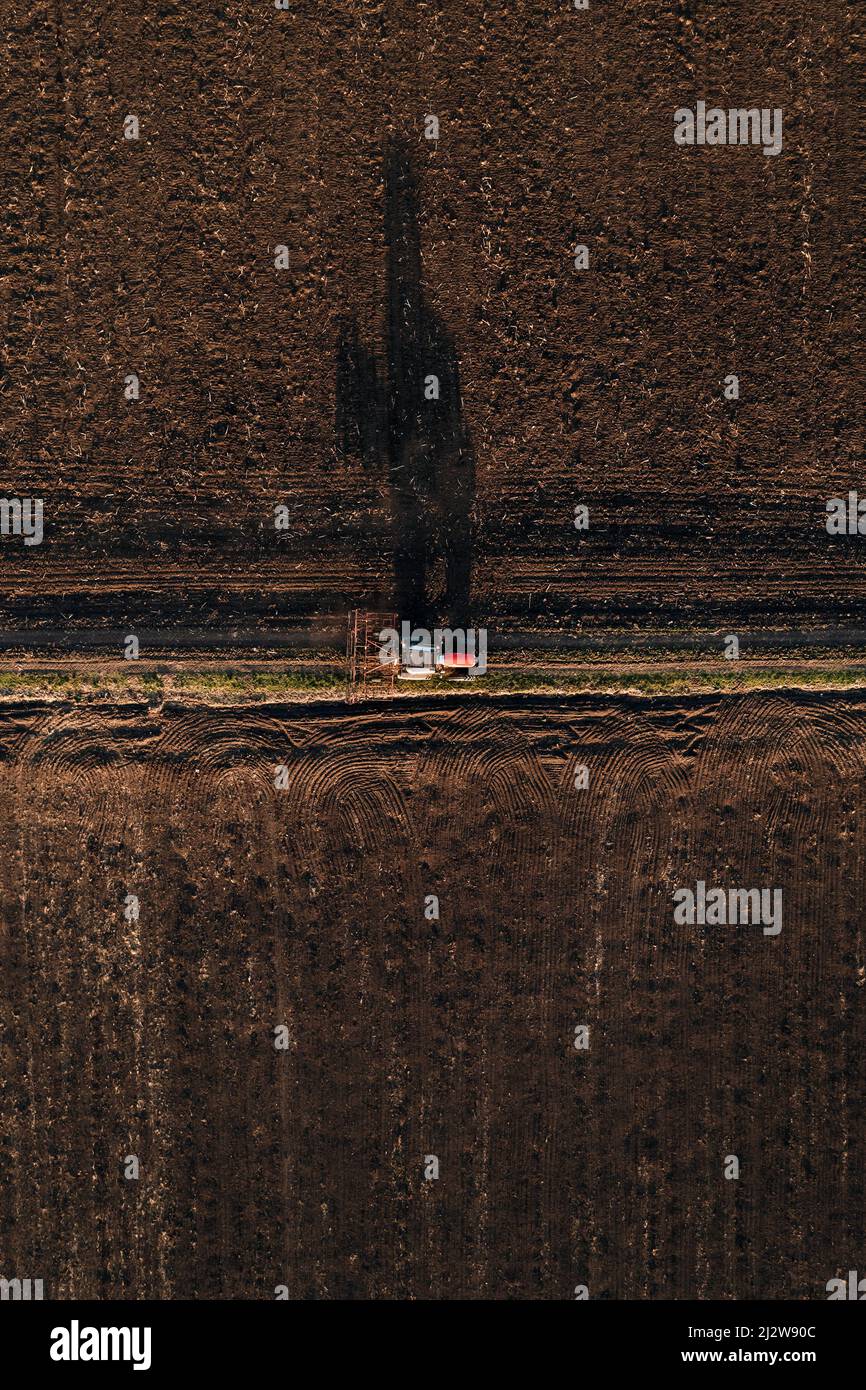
x=404, y=418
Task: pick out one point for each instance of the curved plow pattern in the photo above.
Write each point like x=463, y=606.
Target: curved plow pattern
x=429, y=908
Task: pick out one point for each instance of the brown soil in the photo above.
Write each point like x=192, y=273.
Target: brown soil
x=261, y=128
x=411, y=1037
x=302, y=387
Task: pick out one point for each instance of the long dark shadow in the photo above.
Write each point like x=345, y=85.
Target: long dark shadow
x=405, y=418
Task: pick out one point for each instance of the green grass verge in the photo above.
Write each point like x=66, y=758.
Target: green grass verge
x=663, y=682
x=232, y=688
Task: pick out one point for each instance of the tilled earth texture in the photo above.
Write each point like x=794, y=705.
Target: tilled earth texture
x=294, y=377
x=285, y=1030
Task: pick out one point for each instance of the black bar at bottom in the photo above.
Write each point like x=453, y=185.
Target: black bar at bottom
x=586, y=1340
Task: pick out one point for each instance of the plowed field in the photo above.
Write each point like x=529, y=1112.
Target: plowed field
x=411, y=1036
x=305, y=128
